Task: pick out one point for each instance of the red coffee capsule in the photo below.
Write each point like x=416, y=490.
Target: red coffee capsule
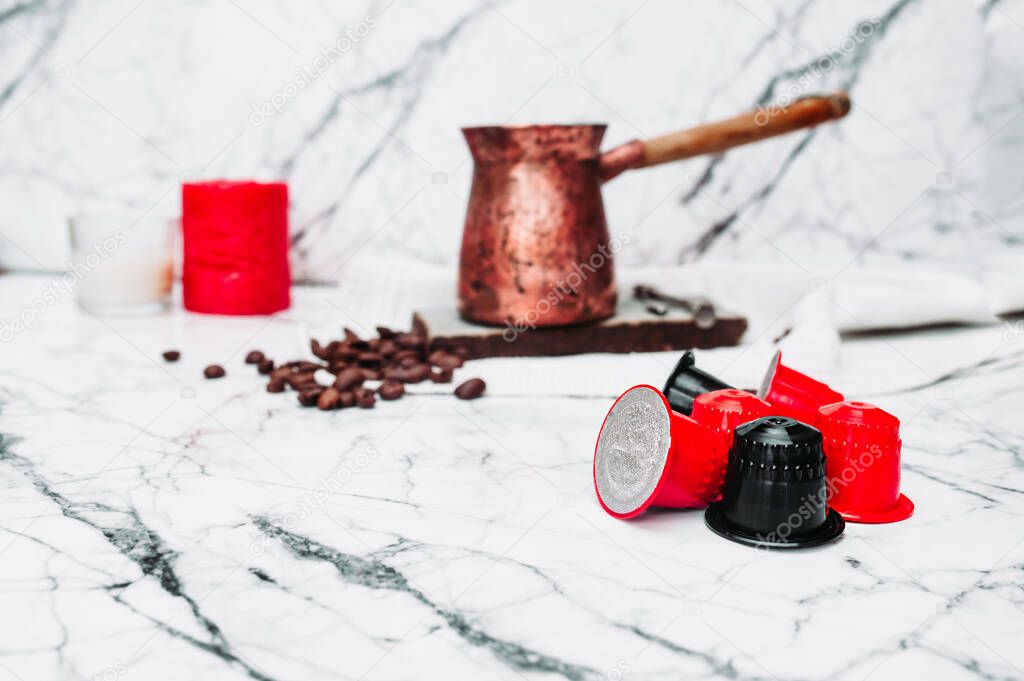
x=862, y=459
x=648, y=455
x=721, y=412
x=794, y=394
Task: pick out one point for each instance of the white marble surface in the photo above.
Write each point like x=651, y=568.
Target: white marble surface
x=113, y=103
x=154, y=525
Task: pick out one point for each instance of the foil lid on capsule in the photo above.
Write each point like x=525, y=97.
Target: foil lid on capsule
x=649, y=455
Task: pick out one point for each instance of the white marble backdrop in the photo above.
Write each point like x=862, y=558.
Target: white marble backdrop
x=112, y=103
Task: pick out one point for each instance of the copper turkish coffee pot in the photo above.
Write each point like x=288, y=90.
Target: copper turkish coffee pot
x=535, y=248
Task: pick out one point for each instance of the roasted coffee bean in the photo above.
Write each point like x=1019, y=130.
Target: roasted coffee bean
x=345, y=354
x=172, y=356
x=364, y=398
x=391, y=390
x=329, y=399
x=214, y=371
x=441, y=375
x=413, y=374
x=471, y=389
x=300, y=380
x=370, y=359
x=403, y=354
x=302, y=366
x=444, y=360
x=254, y=357
x=348, y=379
x=309, y=397
x=408, y=340
x=395, y=357
x=416, y=374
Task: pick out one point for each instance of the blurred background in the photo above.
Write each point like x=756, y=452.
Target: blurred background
x=358, y=107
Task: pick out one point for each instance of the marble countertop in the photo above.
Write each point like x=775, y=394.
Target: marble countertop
x=154, y=525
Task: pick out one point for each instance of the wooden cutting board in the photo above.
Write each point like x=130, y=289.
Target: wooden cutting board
x=633, y=329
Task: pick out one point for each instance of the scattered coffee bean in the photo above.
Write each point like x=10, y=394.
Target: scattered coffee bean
x=214, y=371
x=254, y=357
x=172, y=356
x=409, y=340
x=445, y=360
x=471, y=389
x=345, y=354
x=391, y=390
x=370, y=359
x=414, y=374
x=348, y=379
x=441, y=375
x=364, y=398
x=310, y=396
x=329, y=399
x=357, y=371
x=304, y=365
x=301, y=380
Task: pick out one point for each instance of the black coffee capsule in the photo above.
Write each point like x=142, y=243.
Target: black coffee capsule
x=687, y=382
x=775, y=492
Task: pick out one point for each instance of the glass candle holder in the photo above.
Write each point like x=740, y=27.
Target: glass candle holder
x=121, y=263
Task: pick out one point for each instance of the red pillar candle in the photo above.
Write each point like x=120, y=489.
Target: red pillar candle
x=236, y=247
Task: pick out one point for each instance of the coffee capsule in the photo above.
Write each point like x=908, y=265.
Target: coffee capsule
x=794, y=394
x=648, y=455
x=775, y=494
x=862, y=450
x=721, y=411
x=686, y=382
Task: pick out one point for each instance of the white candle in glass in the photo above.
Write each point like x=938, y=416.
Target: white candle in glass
x=122, y=263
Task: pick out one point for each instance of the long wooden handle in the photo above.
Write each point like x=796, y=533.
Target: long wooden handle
x=749, y=127
x=716, y=137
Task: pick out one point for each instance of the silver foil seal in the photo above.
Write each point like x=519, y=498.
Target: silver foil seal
x=632, y=449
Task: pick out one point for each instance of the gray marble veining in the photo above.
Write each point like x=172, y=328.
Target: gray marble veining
x=154, y=525
x=358, y=108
